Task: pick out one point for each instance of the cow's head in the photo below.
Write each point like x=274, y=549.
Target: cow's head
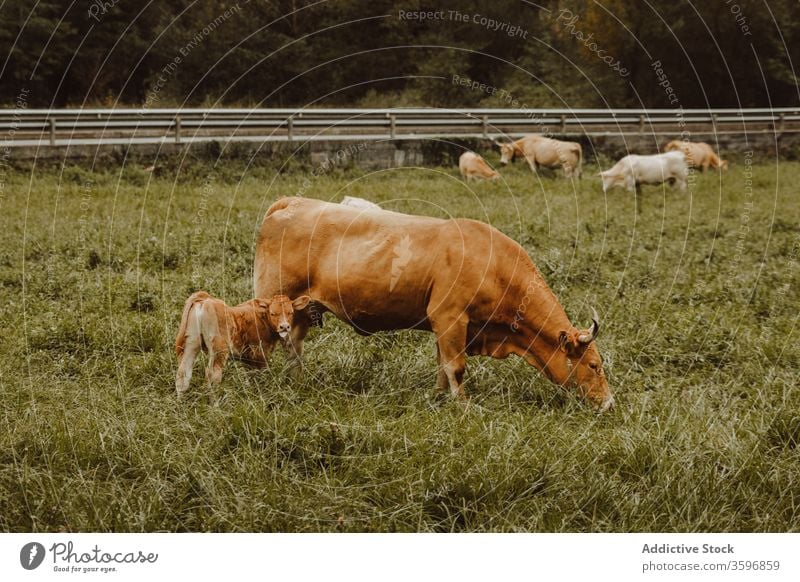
x=723, y=164
x=611, y=179
x=508, y=151
x=586, y=365
x=280, y=312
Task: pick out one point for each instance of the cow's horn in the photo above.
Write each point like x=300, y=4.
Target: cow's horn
x=593, y=331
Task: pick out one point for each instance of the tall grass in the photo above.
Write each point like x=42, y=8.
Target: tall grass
x=698, y=294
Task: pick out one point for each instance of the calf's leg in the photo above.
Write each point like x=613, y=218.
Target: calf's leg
x=192, y=347
x=294, y=344
x=217, y=357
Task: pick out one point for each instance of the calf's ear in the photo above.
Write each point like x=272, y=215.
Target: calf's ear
x=263, y=303
x=301, y=302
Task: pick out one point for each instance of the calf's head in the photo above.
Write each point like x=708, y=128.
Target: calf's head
x=280, y=312
x=586, y=366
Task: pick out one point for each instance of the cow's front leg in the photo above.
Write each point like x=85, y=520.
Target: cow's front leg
x=451, y=341
x=531, y=163
x=631, y=185
x=442, y=383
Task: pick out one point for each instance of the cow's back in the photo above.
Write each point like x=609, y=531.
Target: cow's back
x=380, y=269
x=352, y=261
x=552, y=152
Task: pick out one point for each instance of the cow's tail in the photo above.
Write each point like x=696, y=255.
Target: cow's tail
x=180, y=339
x=579, y=164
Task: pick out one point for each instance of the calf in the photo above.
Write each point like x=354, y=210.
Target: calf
x=698, y=155
x=474, y=167
x=634, y=170
x=247, y=332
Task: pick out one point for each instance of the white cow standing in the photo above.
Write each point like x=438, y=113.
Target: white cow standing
x=634, y=170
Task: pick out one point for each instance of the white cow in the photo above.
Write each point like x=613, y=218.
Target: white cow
x=634, y=170
x=359, y=203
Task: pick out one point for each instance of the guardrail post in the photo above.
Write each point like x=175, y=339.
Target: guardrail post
x=714, y=122
x=392, y=127
x=485, y=127
x=291, y=128
x=178, y=129
x=641, y=124
x=782, y=122
x=563, y=124
x=52, y=123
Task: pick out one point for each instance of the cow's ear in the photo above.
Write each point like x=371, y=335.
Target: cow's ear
x=263, y=303
x=568, y=342
x=301, y=302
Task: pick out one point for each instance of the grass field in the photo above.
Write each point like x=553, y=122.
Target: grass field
x=697, y=292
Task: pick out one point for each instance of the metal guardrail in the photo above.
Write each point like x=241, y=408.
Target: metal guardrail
x=66, y=127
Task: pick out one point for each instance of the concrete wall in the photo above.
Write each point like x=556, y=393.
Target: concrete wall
x=374, y=155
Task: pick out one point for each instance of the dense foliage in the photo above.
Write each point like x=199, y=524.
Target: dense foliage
x=343, y=52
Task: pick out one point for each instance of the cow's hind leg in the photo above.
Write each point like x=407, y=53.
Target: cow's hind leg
x=451, y=341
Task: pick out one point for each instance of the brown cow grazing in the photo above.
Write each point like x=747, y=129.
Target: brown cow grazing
x=543, y=151
x=248, y=332
x=465, y=281
x=474, y=167
x=698, y=155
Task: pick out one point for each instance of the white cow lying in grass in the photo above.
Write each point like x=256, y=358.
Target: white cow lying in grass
x=633, y=170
